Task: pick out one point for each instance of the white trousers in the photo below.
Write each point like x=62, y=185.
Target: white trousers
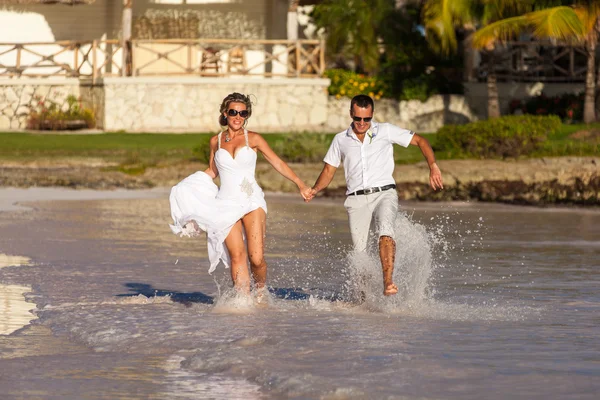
x=380, y=208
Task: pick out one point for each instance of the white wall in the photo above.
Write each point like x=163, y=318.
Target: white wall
x=51, y=22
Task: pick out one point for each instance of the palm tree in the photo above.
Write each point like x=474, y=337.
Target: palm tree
x=443, y=17
x=575, y=24
x=351, y=28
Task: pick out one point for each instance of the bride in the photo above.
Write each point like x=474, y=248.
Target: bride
x=234, y=215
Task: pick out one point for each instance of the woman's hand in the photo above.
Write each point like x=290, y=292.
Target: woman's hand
x=306, y=192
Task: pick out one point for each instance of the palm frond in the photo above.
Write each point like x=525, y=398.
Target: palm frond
x=560, y=23
x=495, y=10
x=501, y=31
x=588, y=16
x=441, y=17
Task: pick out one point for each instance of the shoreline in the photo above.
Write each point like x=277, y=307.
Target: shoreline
x=560, y=181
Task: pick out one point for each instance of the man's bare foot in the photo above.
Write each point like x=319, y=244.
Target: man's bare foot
x=390, y=290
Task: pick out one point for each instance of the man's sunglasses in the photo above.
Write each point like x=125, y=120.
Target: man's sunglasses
x=358, y=119
x=233, y=113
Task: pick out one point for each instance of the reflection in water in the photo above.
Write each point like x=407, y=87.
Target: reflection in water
x=13, y=261
x=15, y=312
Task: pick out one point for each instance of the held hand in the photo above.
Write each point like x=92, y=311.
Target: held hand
x=306, y=193
x=435, y=177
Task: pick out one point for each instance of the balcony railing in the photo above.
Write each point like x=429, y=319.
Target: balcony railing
x=217, y=57
x=536, y=61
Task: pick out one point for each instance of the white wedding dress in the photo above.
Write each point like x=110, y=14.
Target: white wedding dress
x=198, y=204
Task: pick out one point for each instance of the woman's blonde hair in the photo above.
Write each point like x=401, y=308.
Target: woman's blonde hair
x=234, y=98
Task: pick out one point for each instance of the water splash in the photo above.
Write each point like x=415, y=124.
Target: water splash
x=413, y=268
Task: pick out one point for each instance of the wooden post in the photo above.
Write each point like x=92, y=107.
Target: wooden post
x=189, y=58
x=571, y=61
x=18, y=66
x=94, y=61
x=126, y=38
x=297, y=59
x=322, y=58
x=76, y=70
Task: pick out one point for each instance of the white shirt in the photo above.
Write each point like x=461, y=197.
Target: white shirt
x=369, y=163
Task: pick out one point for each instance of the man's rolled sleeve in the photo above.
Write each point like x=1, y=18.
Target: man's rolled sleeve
x=334, y=155
x=399, y=135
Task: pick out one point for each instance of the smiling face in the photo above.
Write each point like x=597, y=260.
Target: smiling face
x=234, y=112
x=361, y=126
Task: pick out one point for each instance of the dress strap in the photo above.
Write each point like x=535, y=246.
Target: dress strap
x=219, y=141
x=246, y=137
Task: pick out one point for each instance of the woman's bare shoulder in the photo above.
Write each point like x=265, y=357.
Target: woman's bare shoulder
x=254, y=136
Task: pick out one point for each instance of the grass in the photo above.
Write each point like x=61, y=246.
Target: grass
x=132, y=153
x=562, y=144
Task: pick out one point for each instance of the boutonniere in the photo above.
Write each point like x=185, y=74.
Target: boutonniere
x=370, y=134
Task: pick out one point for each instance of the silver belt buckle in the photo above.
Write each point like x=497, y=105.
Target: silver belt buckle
x=369, y=191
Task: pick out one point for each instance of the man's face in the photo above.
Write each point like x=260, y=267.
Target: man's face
x=358, y=113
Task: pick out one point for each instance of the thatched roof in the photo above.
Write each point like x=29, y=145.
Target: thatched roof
x=29, y=2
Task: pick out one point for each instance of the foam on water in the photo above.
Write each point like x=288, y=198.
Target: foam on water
x=325, y=330
x=414, y=271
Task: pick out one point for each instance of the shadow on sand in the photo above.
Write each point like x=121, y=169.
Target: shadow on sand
x=187, y=299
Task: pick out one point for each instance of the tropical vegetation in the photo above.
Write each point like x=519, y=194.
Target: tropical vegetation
x=511, y=136
x=48, y=114
x=380, y=39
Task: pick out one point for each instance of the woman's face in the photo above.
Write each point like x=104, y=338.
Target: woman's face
x=236, y=115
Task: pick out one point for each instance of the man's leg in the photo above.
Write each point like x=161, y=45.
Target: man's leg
x=359, y=219
x=386, y=211
x=387, y=254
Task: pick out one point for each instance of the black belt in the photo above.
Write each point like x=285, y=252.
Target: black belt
x=373, y=190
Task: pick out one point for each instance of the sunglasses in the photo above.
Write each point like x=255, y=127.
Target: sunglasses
x=358, y=119
x=233, y=113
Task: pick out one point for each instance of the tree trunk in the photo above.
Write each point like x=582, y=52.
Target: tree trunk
x=126, y=38
x=589, y=105
x=492, y=90
x=468, y=56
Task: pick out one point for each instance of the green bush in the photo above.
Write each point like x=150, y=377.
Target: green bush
x=510, y=136
x=48, y=114
x=349, y=84
x=416, y=89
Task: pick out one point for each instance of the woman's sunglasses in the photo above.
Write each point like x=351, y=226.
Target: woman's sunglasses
x=358, y=119
x=233, y=113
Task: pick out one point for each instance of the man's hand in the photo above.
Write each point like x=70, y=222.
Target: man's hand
x=308, y=193
x=435, y=177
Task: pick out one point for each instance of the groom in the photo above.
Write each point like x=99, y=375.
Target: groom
x=366, y=150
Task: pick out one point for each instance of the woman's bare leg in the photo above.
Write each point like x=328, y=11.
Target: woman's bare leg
x=239, y=258
x=255, y=224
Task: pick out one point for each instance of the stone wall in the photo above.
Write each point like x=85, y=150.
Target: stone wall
x=19, y=97
x=192, y=104
x=427, y=116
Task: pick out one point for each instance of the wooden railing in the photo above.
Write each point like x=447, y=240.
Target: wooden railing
x=536, y=61
x=217, y=57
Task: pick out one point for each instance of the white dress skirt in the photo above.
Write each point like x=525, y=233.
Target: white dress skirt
x=197, y=204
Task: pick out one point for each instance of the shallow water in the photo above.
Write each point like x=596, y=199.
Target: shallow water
x=495, y=302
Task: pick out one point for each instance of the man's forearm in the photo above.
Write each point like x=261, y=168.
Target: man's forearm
x=324, y=178
x=427, y=151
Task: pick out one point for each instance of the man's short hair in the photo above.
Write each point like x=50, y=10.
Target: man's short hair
x=363, y=101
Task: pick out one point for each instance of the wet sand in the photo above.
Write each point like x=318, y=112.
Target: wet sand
x=496, y=302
